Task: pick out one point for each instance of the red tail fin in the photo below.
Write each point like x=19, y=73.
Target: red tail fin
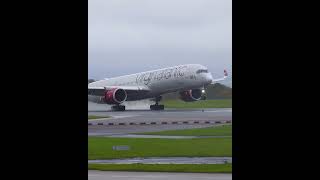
x=225, y=73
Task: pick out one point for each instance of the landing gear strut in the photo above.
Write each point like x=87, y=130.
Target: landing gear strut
x=118, y=108
x=157, y=106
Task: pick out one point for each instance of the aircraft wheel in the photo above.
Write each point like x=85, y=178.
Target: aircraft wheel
x=118, y=108
x=156, y=107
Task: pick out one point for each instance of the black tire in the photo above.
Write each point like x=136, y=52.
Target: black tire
x=122, y=108
x=156, y=107
x=118, y=108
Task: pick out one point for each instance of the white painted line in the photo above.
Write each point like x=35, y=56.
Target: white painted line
x=112, y=117
x=192, y=111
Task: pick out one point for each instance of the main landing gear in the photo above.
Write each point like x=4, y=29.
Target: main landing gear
x=156, y=106
x=118, y=108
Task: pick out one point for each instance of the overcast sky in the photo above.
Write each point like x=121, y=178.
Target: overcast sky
x=130, y=36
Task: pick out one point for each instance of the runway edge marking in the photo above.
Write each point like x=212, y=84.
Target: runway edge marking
x=161, y=123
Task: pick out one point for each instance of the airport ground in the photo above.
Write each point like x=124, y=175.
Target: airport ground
x=148, y=134
x=217, y=103
x=137, y=115
x=170, y=103
x=190, y=168
x=101, y=147
x=137, y=121
x=115, y=175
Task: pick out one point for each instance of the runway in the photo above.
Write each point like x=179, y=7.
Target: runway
x=162, y=136
x=144, y=120
x=113, y=175
x=166, y=115
x=166, y=160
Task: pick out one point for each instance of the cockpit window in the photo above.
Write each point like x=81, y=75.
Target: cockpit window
x=202, y=71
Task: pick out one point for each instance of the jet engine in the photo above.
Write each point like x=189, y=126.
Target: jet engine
x=191, y=95
x=115, y=96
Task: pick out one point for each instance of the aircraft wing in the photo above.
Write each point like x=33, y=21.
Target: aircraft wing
x=220, y=79
x=130, y=90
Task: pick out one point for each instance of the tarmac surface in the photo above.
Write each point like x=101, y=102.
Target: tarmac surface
x=162, y=136
x=144, y=120
x=114, y=175
x=168, y=115
x=166, y=160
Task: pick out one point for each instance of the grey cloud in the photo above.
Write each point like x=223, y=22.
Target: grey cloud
x=128, y=36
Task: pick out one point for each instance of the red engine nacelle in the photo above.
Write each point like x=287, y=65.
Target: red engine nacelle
x=115, y=96
x=191, y=95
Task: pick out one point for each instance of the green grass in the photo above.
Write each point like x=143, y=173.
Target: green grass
x=218, y=103
x=101, y=147
x=195, y=168
x=97, y=117
x=224, y=130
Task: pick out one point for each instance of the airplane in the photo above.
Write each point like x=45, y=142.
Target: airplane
x=189, y=79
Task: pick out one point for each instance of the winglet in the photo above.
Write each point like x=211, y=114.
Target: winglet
x=225, y=73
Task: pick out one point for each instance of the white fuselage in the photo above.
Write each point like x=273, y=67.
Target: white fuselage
x=161, y=81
